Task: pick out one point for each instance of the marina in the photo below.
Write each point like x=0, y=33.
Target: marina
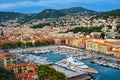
x=29, y=58
x=79, y=54
x=104, y=73
x=58, y=53
x=106, y=64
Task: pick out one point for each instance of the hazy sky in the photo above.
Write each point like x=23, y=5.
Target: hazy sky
x=35, y=6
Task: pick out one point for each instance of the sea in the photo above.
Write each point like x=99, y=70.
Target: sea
x=104, y=73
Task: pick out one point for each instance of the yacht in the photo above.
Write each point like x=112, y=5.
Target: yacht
x=76, y=62
x=75, y=65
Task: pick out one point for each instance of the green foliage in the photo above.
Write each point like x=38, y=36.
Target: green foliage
x=119, y=31
x=37, y=43
x=105, y=15
x=19, y=44
x=7, y=45
x=118, y=27
x=40, y=25
x=49, y=73
x=85, y=29
x=109, y=26
x=117, y=37
x=79, y=11
x=47, y=43
x=29, y=44
x=6, y=75
x=102, y=35
x=47, y=13
x=4, y=16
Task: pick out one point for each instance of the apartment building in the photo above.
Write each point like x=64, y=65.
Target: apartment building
x=7, y=59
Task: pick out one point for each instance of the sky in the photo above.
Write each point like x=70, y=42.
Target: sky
x=35, y=6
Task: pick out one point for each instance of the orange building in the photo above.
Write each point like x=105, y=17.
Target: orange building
x=21, y=68
x=71, y=41
x=103, y=46
x=7, y=59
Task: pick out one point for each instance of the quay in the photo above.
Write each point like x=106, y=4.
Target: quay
x=75, y=65
x=79, y=54
x=72, y=75
x=106, y=63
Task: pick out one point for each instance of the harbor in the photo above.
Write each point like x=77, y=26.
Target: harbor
x=59, y=53
x=29, y=58
x=79, y=54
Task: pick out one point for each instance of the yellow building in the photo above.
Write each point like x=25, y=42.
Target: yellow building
x=111, y=48
x=98, y=45
x=103, y=48
x=58, y=41
x=22, y=68
x=7, y=59
x=75, y=42
x=92, y=45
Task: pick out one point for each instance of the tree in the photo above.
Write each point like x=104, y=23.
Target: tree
x=29, y=44
x=19, y=44
x=5, y=74
x=118, y=26
x=86, y=29
x=46, y=72
x=102, y=35
x=119, y=31
x=7, y=45
x=46, y=43
x=109, y=26
x=37, y=43
x=117, y=37
x=22, y=45
x=16, y=45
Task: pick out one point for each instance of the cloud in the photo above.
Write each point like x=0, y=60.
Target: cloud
x=45, y=3
x=28, y=4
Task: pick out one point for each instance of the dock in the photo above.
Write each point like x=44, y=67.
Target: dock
x=72, y=75
x=75, y=65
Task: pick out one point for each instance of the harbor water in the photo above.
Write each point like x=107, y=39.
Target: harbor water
x=104, y=73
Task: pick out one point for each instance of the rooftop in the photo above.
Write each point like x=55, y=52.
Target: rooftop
x=23, y=64
x=4, y=54
x=28, y=76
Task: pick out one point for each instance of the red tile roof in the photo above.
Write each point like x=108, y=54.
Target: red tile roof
x=4, y=54
x=23, y=64
x=27, y=76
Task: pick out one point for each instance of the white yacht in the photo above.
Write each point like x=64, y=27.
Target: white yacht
x=76, y=62
x=75, y=65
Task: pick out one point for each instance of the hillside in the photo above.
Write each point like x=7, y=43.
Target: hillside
x=17, y=19
x=47, y=13
x=4, y=16
x=113, y=13
x=79, y=11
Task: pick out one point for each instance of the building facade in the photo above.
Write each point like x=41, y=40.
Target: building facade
x=7, y=59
